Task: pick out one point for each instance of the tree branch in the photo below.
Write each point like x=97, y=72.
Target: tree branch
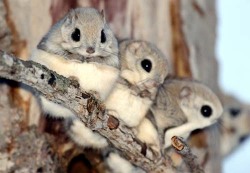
x=189, y=158
x=67, y=92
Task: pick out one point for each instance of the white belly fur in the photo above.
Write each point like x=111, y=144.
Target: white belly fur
x=148, y=134
x=54, y=109
x=91, y=76
x=129, y=108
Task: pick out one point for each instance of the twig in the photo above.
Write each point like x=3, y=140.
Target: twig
x=189, y=158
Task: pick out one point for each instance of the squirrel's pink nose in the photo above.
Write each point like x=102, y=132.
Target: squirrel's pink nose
x=90, y=50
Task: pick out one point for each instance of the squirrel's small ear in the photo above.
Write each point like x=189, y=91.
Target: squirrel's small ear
x=133, y=46
x=102, y=13
x=71, y=17
x=68, y=23
x=185, y=92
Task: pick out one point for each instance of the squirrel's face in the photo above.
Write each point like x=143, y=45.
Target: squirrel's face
x=235, y=121
x=200, y=104
x=85, y=32
x=148, y=65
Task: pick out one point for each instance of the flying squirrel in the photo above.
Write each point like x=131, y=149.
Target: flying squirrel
x=181, y=106
x=143, y=69
x=184, y=105
x=81, y=45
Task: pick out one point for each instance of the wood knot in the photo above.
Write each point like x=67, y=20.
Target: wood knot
x=85, y=95
x=177, y=143
x=74, y=81
x=101, y=107
x=42, y=76
x=40, y=170
x=144, y=149
x=52, y=80
x=91, y=104
x=113, y=122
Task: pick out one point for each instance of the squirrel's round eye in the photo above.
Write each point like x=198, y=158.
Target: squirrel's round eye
x=146, y=65
x=234, y=112
x=206, y=111
x=103, y=36
x=76, y=35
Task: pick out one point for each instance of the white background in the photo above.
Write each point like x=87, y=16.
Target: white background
x=233, y=53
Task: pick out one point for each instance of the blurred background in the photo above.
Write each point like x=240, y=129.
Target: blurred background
x=233, y=53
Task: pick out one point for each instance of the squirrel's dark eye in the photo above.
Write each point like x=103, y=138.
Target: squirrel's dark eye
x=76, y=35
x=206, y=111
x=146, y=65
x=103, y=36
x=234, y=112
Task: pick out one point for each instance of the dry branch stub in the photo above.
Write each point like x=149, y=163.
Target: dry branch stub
x=183, y=149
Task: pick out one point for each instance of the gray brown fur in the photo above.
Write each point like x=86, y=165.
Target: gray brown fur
x=90, y=22
x=169, y=106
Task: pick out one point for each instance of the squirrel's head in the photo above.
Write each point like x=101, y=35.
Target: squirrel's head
x=147, y=63
x=83, y=32
x=199, y=103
